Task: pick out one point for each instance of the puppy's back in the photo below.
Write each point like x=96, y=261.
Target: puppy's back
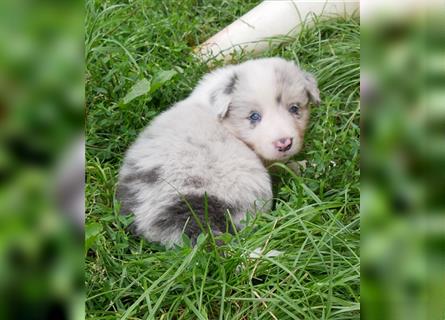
x=182, y=155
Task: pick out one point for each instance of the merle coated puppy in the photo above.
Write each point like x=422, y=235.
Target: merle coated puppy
x=207, y=152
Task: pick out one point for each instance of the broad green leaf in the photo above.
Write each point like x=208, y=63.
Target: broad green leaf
x=138, y=89
x=92, y=230
x=161, y=78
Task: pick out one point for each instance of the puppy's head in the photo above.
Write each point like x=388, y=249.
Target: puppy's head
x=265, y=103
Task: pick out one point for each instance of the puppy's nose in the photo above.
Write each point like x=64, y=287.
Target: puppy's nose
x=283, y=144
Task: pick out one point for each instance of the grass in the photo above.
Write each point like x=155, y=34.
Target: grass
x=316, y=220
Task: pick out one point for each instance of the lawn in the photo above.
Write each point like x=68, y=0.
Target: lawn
x=316, y=220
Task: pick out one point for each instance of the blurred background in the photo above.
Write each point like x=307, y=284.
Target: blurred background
x=41, y=159
x=42, y=162
x=403, y=160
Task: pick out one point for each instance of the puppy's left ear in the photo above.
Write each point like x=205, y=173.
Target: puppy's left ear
x=312, y=88
x=221, y=104
x=222, y=97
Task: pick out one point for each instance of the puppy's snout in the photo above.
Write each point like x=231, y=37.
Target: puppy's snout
x=283, y=144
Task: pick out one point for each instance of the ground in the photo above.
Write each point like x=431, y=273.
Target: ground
x=316, y=222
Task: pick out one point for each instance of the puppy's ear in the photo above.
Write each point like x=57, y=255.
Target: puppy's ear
x=222, y=97
x=312, y=88
x=221, y=103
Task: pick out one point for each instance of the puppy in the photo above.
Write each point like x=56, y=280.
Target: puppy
x=207, y=152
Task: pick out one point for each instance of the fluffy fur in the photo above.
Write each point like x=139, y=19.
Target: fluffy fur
x=206, y=153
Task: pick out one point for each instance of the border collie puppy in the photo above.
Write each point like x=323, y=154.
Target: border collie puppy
x=207, y=152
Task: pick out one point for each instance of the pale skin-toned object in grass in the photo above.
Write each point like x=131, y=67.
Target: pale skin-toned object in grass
x=267, y=23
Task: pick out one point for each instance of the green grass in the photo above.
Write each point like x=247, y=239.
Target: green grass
x=316, y=220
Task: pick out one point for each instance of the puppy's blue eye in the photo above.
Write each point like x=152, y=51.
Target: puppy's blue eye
x=255, y=117
x=295, y=108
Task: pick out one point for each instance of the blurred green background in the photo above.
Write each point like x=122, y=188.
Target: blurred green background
x=403, y=158
x=41, y=117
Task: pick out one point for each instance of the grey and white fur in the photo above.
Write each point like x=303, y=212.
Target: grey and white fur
x=214, y=145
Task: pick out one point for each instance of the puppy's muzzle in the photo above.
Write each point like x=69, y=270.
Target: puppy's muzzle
x=284, y=144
